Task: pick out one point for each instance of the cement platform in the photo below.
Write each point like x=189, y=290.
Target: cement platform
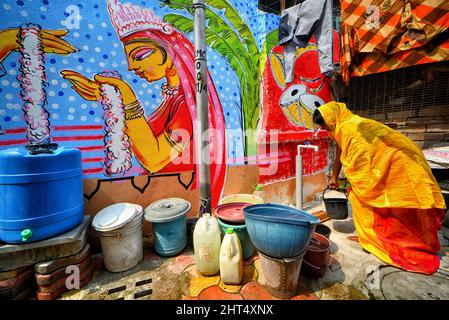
x=354, y=274
x=67, y=244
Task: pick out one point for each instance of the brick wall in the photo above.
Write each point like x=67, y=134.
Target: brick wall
x=427, y=127
x=413, y=100
x=425, y=134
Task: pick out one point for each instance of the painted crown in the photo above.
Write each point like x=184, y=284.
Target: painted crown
x=128, y=18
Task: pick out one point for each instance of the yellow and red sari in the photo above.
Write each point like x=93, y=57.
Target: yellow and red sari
x=397, y=203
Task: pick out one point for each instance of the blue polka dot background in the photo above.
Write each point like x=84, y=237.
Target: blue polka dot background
x=100, y=49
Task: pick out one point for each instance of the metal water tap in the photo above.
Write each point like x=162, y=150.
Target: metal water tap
x=307, y=146
x=299, y=190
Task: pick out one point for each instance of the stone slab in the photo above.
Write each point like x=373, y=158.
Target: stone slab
x=48, y=279
x=48, y=267
x=60, y=290
x=16, y=281
x=67, y=244
x=20, y=292
x=60, y=284
x=6, y=275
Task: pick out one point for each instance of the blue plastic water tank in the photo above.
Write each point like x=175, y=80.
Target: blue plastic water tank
x=41, y=193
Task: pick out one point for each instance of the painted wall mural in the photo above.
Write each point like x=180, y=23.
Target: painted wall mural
x=230, y=36
x=287, y=112
x=116, y=80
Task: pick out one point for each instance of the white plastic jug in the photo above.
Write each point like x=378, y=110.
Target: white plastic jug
x=206, y=244
x=231, y=258
x=258, y=191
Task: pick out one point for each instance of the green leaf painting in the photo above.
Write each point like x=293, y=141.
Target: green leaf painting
x=231, y=37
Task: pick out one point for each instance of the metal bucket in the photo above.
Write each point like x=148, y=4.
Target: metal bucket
x=336, y=208
x=123, y=247
x=281, y=275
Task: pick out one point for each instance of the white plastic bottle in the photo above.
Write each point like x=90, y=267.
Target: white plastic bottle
x=206, y=244
x=231, y=258
x=258, y=191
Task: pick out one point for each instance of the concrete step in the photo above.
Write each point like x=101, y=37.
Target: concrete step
x=67, y=244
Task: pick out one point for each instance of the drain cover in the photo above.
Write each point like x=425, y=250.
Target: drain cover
x=138, y=289
x=412, y=286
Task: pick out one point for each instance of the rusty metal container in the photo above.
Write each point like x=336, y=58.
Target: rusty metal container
x=281, y=275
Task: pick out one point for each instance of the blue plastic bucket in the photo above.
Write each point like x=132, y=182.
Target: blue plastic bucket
x=279, y=231
x=168, y=218
x=170, y=238
x=242, y=233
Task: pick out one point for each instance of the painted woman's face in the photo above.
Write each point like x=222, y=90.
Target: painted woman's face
x=147, y=60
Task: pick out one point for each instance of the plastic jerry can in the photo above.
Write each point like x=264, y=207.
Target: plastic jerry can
x=231, y=258
x=206, y=244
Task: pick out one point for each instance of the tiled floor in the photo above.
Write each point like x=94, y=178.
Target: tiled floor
x=252, y=287
x=179, y=278
x=350, y=277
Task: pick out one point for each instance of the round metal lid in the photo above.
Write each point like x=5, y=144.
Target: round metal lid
x=166, y=210
x=231, y=212
x=114, y=216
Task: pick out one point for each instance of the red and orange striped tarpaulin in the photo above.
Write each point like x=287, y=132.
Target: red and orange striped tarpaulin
x=383, y=35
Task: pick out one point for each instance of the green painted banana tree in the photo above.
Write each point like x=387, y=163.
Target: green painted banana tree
x=228, y=35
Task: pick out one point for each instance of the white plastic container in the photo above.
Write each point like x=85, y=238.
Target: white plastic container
x=120, y=229
x=242, y=197
x=258, y=191
x=231, y=258
x=206, y=244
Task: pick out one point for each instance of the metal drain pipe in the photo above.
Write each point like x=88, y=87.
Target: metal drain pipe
x=299, y=181
x=202, y=156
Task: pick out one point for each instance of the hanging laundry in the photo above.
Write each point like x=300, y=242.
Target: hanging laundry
x=297, y=26
x=383, y=35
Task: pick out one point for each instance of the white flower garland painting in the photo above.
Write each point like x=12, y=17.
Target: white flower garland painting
x=118, y=155
x=33, y=82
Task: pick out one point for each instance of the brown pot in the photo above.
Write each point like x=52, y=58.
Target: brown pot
x=317, y=257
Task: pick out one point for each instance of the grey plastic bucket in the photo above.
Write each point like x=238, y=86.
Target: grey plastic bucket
x=169, y=222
